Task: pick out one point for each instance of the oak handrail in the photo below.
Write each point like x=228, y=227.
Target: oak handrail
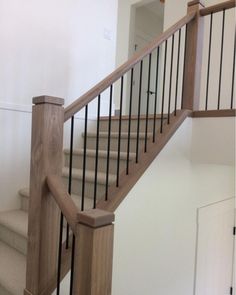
x=81, y=102
x=218, y=7
x=63, y=200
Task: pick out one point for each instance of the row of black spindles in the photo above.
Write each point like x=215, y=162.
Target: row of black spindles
x=119, y=132
x=156, y=95
x=109, y=143
x=163, y=88
x=143, y=107
x=171, y=73
x=221, y=59
x=139, y=109
x=209, y=62
x=177, y=72
x=218, y=103
x=129, y=124
x=97, y=153
x=84, y=158
x=148, y=100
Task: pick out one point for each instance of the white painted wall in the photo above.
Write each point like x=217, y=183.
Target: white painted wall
x=54, y=47
x=220, y=149
x=15, y=131
x=155, y=228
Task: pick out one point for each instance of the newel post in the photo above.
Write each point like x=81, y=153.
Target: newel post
x=46, y=158
x=94, y=253
x=193, y=55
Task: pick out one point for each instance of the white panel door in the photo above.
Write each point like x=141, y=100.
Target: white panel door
x=215, y=249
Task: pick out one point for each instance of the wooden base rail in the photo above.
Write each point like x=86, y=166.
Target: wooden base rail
x=214, y=113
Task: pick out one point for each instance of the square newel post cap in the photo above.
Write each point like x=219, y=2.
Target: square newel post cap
x=44, y=99
x=96, y=218
x=195, y=2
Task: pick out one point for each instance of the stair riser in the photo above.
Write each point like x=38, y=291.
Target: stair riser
x=13, y=239
x=89, y=188
x=91, y=143
x=90, y=163
x=125, y=123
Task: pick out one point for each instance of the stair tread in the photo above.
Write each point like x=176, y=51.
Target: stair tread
x=16, y=221
x=90, y=175
x=133, y=135
x=12, y=275
x=101, y=153
x=88, y=203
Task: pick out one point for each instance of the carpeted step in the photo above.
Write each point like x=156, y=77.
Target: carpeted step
x=12, y=271
x=14, y=229
x=78, y=154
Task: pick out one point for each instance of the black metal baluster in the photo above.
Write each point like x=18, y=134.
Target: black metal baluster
x=185, y=52
x=72, y=265
x=156, y=88
x=70, y=173
x=129, y=126
x=109, y=142
x=177, y=73
x=139, y=108
x=119, y=136
x=171, y=72
x=148, y=98
x=84, y=157
x=163, y=90
x=221, y=58
x=209, y=62
x=97, y=151
x=62, y=218
x=233, y=74
x=59, y=256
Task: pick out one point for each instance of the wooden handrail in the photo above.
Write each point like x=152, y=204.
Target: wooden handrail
x=104, y=84
x=217, y=7
x=63, y=200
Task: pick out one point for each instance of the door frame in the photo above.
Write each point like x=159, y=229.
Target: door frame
x=197, y=239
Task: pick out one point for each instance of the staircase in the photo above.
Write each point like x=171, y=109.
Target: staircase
x=14, y=224
x=69, y=207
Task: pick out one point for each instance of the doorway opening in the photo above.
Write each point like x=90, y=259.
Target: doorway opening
x=215, y=249
x=146, y=24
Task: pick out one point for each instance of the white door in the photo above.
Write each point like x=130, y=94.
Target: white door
x=215, y=249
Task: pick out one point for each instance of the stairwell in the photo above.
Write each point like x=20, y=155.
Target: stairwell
x=14, y=223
